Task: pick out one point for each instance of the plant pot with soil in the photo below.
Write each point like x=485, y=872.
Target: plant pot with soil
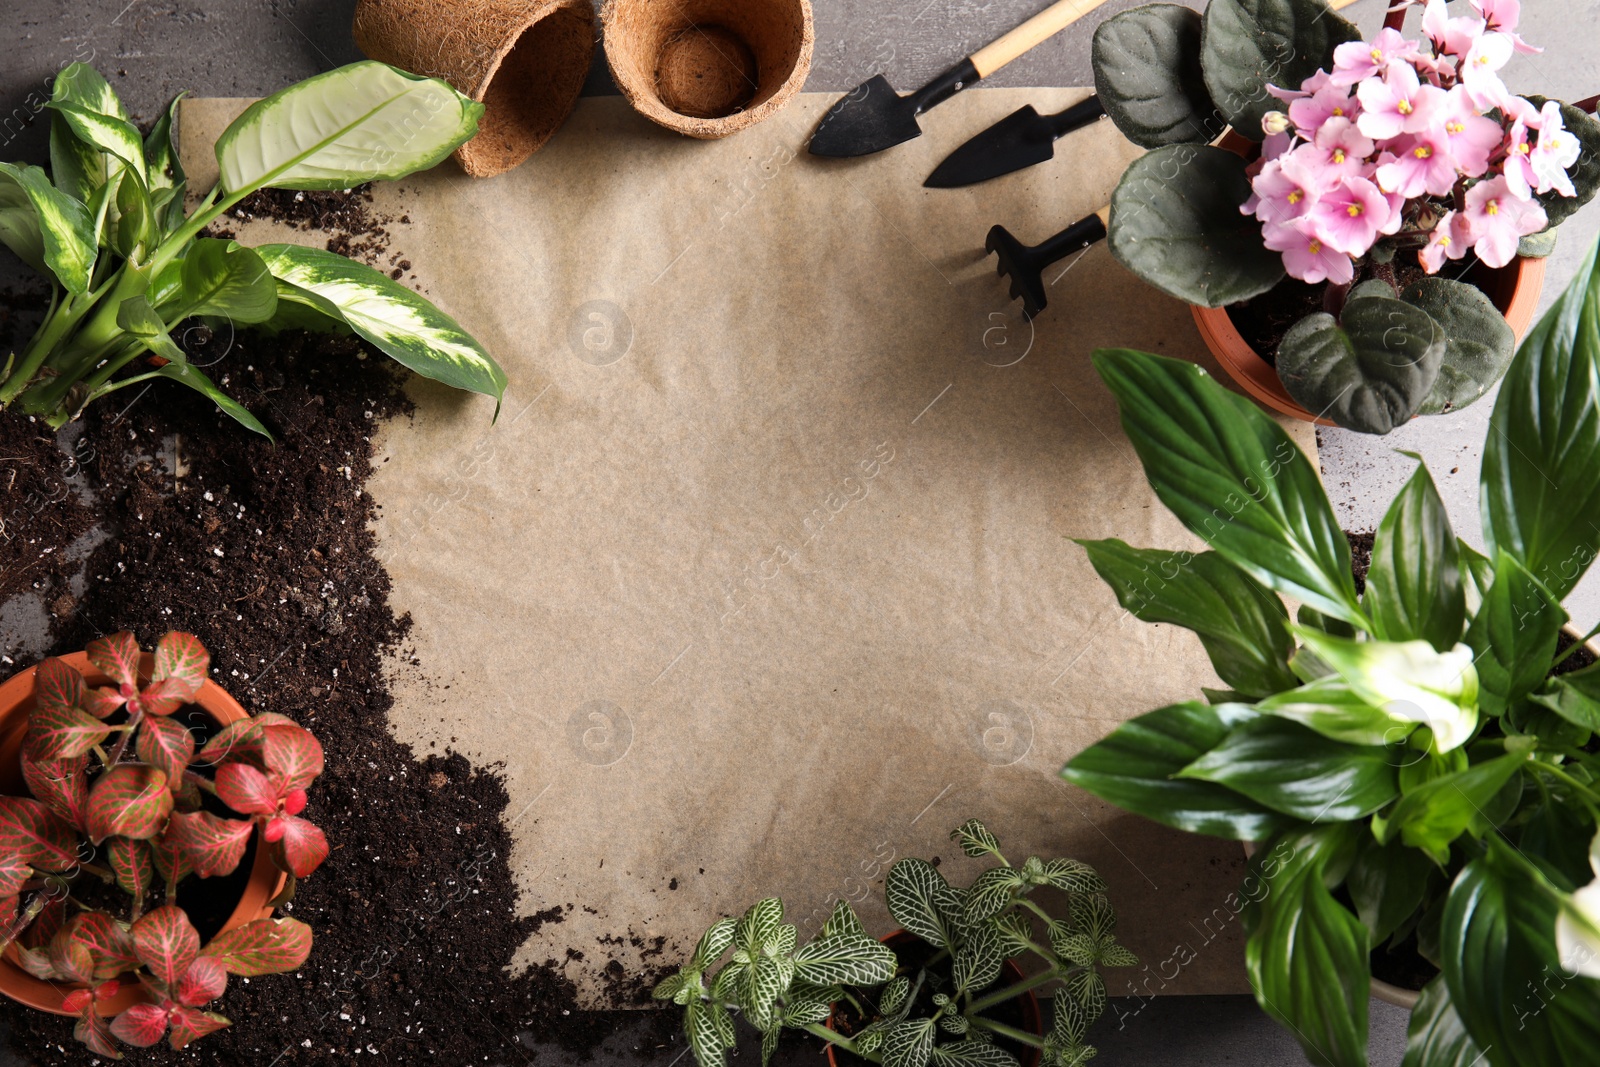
x=1420, y=761
x=944, y=990
x=1400, y=186
x=147, y=828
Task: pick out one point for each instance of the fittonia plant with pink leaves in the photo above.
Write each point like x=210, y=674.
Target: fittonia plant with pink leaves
x=1376, y=157
x=121, y=795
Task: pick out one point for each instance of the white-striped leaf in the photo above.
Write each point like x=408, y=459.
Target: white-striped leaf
x=360, y=123
x=843, y=921
x=846, y=959
x=79, y=168
x=110, y=134
x=713, y=943
x=1071, y=1021
x=81, y=84
x=406, y=327
x=1090, y=990
x=1014, y=931
x=48, y=229
x=978, y=961
x=758, y=924
x=908, y=1044
x=222, y=278
x=970, y=1053
x=783, y=940
x=162, y=167
x=1094, y=915
x=769, y=1043
x=911, y=891
x=764, y=982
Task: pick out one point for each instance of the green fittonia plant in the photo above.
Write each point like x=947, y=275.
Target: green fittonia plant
x=1376, y=157
x=107, y=227
x=1407, y=752
x=930, y=1009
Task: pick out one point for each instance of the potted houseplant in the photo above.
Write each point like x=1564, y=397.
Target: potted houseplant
x=942, y=991
x=1419, y=757
x=107, y=227
x=1393, y=180
x=147, y=829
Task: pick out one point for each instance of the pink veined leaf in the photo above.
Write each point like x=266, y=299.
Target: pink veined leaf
x=56, y=685
x=304, y=846
x=77, y=1000
x=46, y=924
x=203, y=982
x=62, y=733
x=210, y=845
x=71, y=959
x=265, y=946
x=167, y=943
x=93, y=1030
x=118, y=657
x=101, y=702
x=36, y=961
x=243, y=740
x=246, y=790
x=166, y=696
x=37, y=835
x=166, y=745
x=61, y=785
x=14, y=873
x=132, y=863
x=189, y=1025
x=129, y=800
x=108, y=944
x=141, y=1025
x=181, y=658
x=293, y=755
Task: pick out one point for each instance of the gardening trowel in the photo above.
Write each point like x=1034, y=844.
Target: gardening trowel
x=1019, y=140
x=873, y=116
x=1025, y=264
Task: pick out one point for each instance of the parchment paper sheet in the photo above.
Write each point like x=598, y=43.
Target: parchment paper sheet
x=765, y=577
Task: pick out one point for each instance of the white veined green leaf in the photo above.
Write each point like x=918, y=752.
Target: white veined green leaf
x=870, y=1041
x=991, y=891
x=800, y=1012
x=1331, y=708
x=1075, y=947
x=163, y=168
x=764, y=982
x=1072, y=876
x=1071, y=1021
x=953, y=1024
x=222, y=278
x=769, y=1043
x=194, y=379
x=1090, y=990
x=845, y=959
x=977, y=962
x=702, y=1027
x=908, y=1044
x=60, y=236
x=713, y=943
x=975, y=839
x=894, y=995
x=81, y=84
x=117, y=136
x=1014, y=931
x=725, y=986
x=1115, y=955
x=971, y=1053
x=910, y=892
x=843, y=921
x=783, y=940
x=670, y=986
x=1094, y=915
x=405, y=326
x=758, y=924
x=360, y=123
x=1409, y=680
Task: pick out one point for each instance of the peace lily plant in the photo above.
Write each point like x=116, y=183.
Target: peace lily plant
x=1376, y=157
x=932, y=1005
x=1410, y=750
x=107, y=227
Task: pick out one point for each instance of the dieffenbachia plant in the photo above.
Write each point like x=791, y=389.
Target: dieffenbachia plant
x=117, y=792
x=1407, y=757
x=107, y=227
x=1375, y=155
x=933, y=1010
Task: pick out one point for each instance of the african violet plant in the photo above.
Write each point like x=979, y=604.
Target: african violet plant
x=107, y=228
x=1376, y=157
x=144, y=818
x=1407, y=753
x=930, y=1006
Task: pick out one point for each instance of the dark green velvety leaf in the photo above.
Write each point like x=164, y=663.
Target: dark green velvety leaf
x=1240, y=623
x=1414, y=582
x=1148, y=78
x=1436, y=1036
x=1478, y=342
x=1247, y=45
x=1368, y=371
x=1514, y=635
x=1306, y=954
x=1386, y=884
x=1437, y=812
x=1585, y=173
x=1293, y=770
x=1502, y=970
x=1175, y=222
x=1231, y=474
x=1538, y=245
x=1135, y=768
x=1541, y=457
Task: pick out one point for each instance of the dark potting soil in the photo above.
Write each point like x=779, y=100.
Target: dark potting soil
x=41, y=515
x=1402, y=965
x=265, y=552
x=1575, y=662
x=1360, y=556
x=357, y=229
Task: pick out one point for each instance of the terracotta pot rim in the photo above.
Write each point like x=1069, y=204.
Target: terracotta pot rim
x=266, y=881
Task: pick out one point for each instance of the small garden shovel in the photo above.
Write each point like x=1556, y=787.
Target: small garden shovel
x=873, y=116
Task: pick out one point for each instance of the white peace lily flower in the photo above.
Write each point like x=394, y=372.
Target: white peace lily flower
x=1578, y=924
x=1409, y=681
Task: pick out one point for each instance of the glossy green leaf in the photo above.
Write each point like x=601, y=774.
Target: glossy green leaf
x=1175, y=222
x=137, y=317
x=1136, y=769
x=196, y=380
x=908, y=1043
x=1541, y=458
x=1290, y=769
x=82, y=85
x=1478, y=342
x=405, y=326
x=1409, y=680
x=1514, y=636
x=47, y=228
x=1240, y=623
x=222, y=278
x=110, y=134
x=137, y=229
x=1333, y=709
x=1369, y=370
x=1575, y=697
x=1414, y=581
x=1477, y=573
x=1386, y=884
x=359, y=123
x=76, y=169
x=1247, y=45
x=1437, y=812
x=1147, y=76
x=1436, y=1036
x=1231, y=474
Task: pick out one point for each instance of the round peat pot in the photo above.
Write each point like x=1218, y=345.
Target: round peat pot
x=234, y=900
x=1021, y=1012
x=1514, y=289
x=708, y=68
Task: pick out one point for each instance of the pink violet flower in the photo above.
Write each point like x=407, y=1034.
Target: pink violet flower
x=1451, y=238
x=1340, y=151
x=1281, y=192
x=1357, y=60
x=1557, y=150
x=1472, y=137
x=1518, y=167
x=1420, y=164
x=1499, y=219
x=1398, y=103
x=1501, y=16
x=1349, y=217
x=1308, y=113
x=1306, y=256
x=1480, y=66
x=1452, y=36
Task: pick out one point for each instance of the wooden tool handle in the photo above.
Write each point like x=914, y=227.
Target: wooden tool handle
x=1047, y=23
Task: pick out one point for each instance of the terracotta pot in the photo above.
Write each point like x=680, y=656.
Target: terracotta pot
x=1514, y=289
x=1010, y=974
x=16, y=702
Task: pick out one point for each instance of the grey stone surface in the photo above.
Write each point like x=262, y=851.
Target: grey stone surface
x=152, y=49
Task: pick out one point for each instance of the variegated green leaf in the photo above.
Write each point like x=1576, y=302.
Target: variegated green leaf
x=953, y=1024
x=970, y=1053
x=1115, y=955
x=725, y=986
x=110, y=134
x=870, y=1041
x=359, y=123
x=758, y=924
x=843, y=921
x=845, y=959
x=783, y=940
x=977, y=963
x=990, y=893
x=75, y=168
x=908, y=1044
x=406, y=327
x=910, y=891
x=1070, y=945
x=222, y=278
x=670, y=986
x=163, y=169
x=49, y=229
x=81, y=84
x=1072, y=876
x=713, y=943
x=976, y=840
x=137, y=317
